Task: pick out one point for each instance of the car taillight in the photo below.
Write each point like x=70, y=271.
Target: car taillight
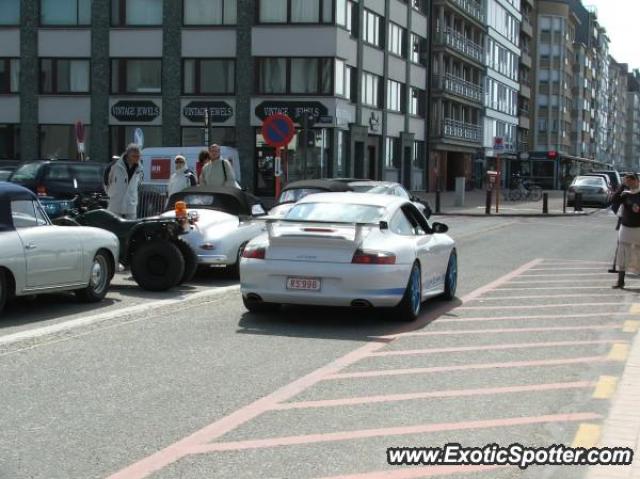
x=373, y=257
x=41, y=190
x=254, y=252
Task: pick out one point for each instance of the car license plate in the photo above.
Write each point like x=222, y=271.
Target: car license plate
x=305, y=284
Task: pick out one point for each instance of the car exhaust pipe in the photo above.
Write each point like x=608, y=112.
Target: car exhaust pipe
x=254, y=298
x=361, y=304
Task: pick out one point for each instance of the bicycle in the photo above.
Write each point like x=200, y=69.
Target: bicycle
x=521, y=190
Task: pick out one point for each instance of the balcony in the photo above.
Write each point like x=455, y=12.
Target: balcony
x=526, y=60
x=471, y=8
x=460, y=130
x=523, y=120
x=523, y=146
x=526, y=26
x=460, y=43
x=459, y=86
x=525, y=90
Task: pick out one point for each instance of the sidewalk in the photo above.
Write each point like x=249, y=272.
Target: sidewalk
x=474, y=205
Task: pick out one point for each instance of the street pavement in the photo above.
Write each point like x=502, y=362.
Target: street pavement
x=193, y=386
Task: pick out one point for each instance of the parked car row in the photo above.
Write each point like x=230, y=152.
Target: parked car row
x=346, y=249
x=596, y=188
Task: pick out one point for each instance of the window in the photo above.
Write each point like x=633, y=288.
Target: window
x=136, y=12
x=59, y=141
x=418, y=48
x=121, y=136
x=136, y=76
x=371, y=89
x=27, y=214
x=397, y=37
x=419, y=155
x=9, y=75
x=65, y=12
x=392, y=153
x=395, y=96
x=9, y=142
x=208, y=77
x=372, y=27
x=344, y=80
x=417, y=102
x=346, y=14
x=400, y=225
x=9, y=12
x=210, y=12
x=58, y=75
x=304, y=76
x=296, y=11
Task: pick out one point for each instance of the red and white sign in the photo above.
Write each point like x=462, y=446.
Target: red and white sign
x=160, y=168
x=498, y=143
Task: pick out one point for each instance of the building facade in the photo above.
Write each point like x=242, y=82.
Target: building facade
x=457, y=96
x=632, y=145
x=617, y=134
x=357, y=69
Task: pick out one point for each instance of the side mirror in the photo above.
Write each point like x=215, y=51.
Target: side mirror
x=439, y=228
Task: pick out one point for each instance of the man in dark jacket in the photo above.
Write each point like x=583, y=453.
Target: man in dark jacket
x=626, y=204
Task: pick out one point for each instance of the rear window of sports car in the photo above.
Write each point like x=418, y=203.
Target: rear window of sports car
x=291, y=196
x=336, y=212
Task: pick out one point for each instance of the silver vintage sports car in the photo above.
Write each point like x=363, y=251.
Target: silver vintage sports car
x=223, y=220
x=37, y=257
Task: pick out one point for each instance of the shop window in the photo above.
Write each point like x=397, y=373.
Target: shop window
x=9, y=75
x=121, y=136
x=59, y=142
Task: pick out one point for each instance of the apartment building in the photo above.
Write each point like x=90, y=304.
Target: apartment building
x=458, y=66
x=632, y=144
x=358, y=69
x=526, y=73
x=617, y=134
x=502, y=85
x=583, y=92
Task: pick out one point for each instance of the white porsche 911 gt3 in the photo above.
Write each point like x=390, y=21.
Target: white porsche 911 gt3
x=349, y=249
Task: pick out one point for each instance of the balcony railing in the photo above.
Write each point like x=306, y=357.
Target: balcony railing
x=473, y=8
x=459, y=86
x=459, y=42
x=462, y=131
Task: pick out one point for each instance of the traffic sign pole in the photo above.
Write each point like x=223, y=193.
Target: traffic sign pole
x=277, y=167
x=499, y=170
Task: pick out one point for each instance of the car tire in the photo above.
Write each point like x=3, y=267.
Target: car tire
x=99, y=280
x=190, y=261
x=157, y=265
x=235, y=268
x=451, y=278
x=4, y=289
x=260, y=307
x=409, y=307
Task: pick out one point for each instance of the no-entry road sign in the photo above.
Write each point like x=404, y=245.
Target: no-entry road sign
x=278, y=130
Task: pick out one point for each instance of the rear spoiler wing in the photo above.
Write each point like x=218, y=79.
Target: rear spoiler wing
x=383, y=225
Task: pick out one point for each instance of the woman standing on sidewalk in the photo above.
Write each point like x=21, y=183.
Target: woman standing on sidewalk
x=627, y=205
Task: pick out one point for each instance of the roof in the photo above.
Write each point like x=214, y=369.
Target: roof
x=326, y=185
x=373, y=183
x=384, y=201
x=235, y=201
x=11, y=192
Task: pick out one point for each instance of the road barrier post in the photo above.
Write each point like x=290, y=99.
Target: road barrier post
x=564, y=201
x=438, y=201
x=545, y=203
x=487, y=209
x=577, y=202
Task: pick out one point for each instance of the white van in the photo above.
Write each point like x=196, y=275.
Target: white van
x=158, y=163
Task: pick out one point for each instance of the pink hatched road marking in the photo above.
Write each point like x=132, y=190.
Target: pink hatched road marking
x=538, y=316
x=584, y=268
x=492, y=347
x=554, y=288
x=451, y=393
x=468, y=367
x=390, y=431
x=562, y=281
x=180, y=449
x=608, y=326
x=553, y=275
x=417, y=472
x=541, y=306
x=551, y=296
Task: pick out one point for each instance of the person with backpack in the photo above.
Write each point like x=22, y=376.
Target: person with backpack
x=123, y=182
x=182, y=178
x=218, y=172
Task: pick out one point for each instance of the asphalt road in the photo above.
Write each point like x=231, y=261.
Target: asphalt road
x=313, y=393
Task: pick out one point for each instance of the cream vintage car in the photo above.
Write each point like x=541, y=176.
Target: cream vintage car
x=37, y=257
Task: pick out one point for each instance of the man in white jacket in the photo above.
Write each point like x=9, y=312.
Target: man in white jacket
x=125, y=177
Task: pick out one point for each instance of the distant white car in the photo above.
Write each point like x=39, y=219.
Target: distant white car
x=349, y=249
x=37, y=257
x=227, y=218
x=297, y=190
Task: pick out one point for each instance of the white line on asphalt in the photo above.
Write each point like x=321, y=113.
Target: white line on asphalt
x=123, y=312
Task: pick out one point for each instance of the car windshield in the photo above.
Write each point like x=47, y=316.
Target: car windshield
x=296, y=194
x=338, y=212
x=589, y=181
x=26, y=172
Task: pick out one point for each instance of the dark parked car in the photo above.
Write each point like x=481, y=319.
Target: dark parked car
x=614, y=177
x=7, y=167
x=57, y=181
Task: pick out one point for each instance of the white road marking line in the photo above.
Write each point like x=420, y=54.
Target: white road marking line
x=98, y=318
